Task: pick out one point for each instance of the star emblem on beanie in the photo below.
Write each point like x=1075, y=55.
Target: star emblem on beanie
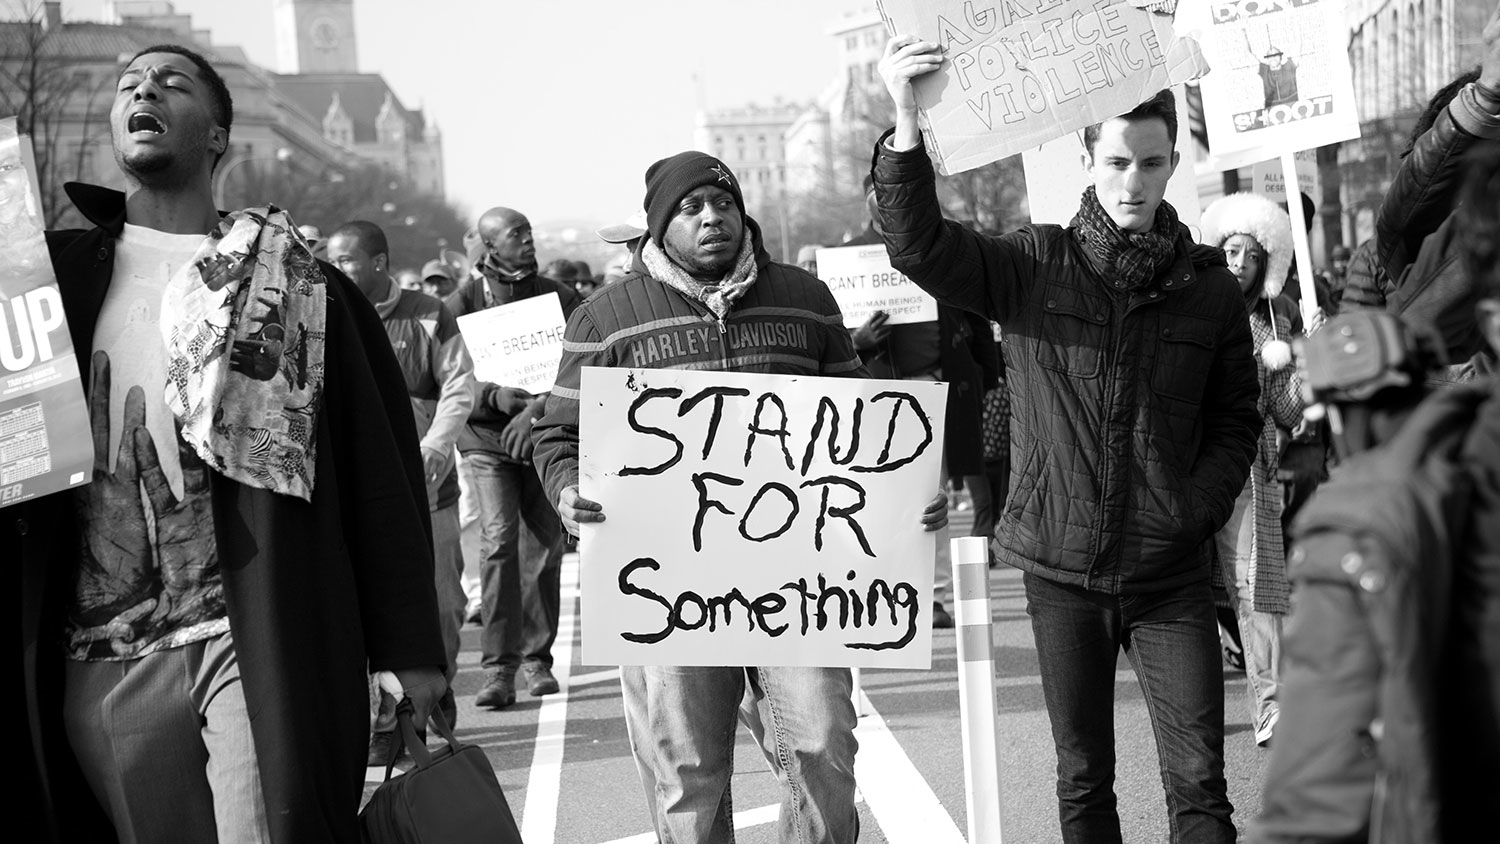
x=722, y=173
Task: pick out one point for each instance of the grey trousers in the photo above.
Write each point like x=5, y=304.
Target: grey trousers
x=164, y=742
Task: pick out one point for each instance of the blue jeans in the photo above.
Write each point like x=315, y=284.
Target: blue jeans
x=520, y=572
x=682, y=723
x=1171, y=638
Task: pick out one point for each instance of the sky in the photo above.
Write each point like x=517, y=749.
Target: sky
x=556, y=107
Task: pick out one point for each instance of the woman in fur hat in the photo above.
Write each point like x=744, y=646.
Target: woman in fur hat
x=1256, y=236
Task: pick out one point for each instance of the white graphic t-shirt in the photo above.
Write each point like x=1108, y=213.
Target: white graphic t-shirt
x=148, y=573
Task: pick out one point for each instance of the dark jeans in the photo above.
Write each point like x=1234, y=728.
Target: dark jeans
x=1172, y=640
x=520, y=572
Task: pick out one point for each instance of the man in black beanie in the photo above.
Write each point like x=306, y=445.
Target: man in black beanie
x=701, y=267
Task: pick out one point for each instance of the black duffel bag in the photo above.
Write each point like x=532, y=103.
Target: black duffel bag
x=450, y=797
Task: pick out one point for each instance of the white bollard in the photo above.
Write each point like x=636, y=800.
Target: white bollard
x=976, y=686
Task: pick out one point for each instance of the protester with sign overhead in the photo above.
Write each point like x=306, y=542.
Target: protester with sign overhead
x=1133, y=421
x=703, y=294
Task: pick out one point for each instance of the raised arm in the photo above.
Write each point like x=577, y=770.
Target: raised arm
x=1422, y=194
x=985, y=275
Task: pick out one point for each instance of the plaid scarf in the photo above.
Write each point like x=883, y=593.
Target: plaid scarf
x=244, y=324
x=718, y=296
x=1137, y=257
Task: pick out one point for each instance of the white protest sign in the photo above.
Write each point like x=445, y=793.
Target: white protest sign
x=45, y=442
x=757, y=519
x=1267, y=179
x=516, y=345
x=1022, y=72
x=863, y=282
x=1281, y=79
x=1056, y=176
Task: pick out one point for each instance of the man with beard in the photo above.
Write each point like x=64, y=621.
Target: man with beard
x=700, y=264
x=197, y=621
x=521, y=543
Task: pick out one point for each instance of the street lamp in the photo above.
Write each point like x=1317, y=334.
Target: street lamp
x=282, y=156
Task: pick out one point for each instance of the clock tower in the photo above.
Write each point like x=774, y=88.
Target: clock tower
x=315, y=36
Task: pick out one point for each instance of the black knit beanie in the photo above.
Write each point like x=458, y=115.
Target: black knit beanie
x=670, y=179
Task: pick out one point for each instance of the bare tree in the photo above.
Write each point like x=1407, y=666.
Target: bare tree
x=416, y=224
x=54, y=102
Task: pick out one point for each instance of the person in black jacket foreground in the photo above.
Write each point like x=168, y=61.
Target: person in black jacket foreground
x=1134, y=423
x=197, y=621
x=1391, y=654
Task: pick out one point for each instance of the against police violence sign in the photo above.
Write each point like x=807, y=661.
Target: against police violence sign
x=1019, y=73
x=757, y=519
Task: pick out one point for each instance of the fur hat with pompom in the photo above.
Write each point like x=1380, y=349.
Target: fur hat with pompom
x=1262, y=219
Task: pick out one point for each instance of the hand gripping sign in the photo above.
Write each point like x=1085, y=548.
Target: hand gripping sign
x=1022, y=72
x=757, y=519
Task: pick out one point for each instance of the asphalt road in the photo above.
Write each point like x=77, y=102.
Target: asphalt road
x=565, y=765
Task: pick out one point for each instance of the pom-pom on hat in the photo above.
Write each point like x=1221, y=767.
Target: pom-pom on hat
x=1262, y=219
x=670, y=179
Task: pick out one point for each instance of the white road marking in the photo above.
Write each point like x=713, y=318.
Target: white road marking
x=543, y=786
x=610, y=676
x=742, y=820
x=899, y=798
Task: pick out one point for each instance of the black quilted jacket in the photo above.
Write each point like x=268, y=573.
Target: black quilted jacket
x=1133, y=415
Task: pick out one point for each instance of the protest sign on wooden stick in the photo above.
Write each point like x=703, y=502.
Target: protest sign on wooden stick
x=757, y=519
x=1019, y=73
x=1281, y=80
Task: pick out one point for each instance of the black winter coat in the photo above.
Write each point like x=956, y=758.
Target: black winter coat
x=968, y=360
x=1390, y=673
x=1133, y=414
x=316, y=591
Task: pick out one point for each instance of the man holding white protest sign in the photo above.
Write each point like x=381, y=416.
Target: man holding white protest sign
x=1133, y=421
x=521, y=544
x=703, y=294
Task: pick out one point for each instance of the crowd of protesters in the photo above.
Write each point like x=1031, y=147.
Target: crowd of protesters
x=1131, y=409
